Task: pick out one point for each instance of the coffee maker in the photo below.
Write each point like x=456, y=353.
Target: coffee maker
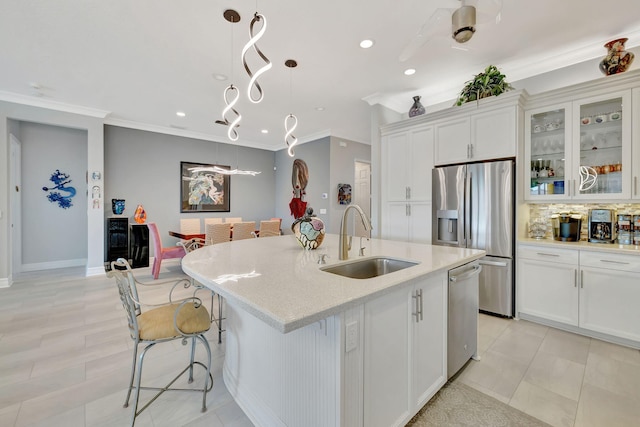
x=602, y=225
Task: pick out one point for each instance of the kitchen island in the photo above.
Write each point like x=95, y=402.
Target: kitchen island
x=306, y=347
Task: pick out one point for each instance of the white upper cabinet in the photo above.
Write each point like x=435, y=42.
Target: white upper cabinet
x=486, y=135
x=635, y=138
x=407, y=162
x=453, y=141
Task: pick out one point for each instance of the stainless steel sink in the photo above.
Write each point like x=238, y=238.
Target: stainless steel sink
x=369, y=267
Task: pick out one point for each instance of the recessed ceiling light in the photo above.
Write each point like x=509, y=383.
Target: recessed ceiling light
x=220, y=77
x=409, y=71
x=180, y=114
x=366, y=44
x=265, y=131
x=319, y=108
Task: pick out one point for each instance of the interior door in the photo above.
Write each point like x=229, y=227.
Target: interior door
x=15, y=185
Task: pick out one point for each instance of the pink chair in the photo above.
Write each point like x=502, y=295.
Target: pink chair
x=160, y=253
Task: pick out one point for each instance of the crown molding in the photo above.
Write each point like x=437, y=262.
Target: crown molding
x=49, y=104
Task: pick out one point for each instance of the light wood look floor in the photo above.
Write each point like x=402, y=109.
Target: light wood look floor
x=65, y=356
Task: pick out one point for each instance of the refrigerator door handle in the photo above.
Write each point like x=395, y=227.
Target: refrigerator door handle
x=469, y=210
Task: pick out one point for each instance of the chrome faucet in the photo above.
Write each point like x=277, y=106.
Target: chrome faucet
x=343, y=250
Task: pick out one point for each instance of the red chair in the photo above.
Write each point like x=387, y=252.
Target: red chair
x=160, y=253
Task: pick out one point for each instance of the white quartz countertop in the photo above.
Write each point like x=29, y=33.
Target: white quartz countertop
x=584, y=246
x=282, y=284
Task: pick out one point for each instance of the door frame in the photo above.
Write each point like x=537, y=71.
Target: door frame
x=15, y=209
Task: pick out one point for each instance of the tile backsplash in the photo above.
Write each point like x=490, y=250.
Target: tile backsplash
x=546, y=210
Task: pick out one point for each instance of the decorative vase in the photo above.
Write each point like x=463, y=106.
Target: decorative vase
x=617, y=59
x=140, y=216
x=117, y=206
x=309, y=230
x=417, y=109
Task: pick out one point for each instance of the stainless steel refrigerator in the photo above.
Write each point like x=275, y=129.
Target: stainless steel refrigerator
x=473, y=207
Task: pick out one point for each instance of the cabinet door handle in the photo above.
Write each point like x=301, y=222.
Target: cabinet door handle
x=575, y=278
x=574, y=188
x=421, y=312
x=613, y=262
x=417, y=307
x=546, y=254
x=471, y=151
x=408, y=193
x=581, y=279
x=468, y=151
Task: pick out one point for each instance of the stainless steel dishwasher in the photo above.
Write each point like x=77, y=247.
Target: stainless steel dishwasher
x=462, y=333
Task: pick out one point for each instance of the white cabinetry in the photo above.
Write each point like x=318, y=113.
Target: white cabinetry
x=548, y=283
x=580, y=149
x=595, y=293
x=407, y=161
x=635, y=150
x=483, y=135
x=610, y=294
x=404, y=351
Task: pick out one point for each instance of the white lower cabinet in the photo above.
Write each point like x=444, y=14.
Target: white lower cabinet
x=594, y=293
x=404, y=351
x=610, y=294
x=547, y=284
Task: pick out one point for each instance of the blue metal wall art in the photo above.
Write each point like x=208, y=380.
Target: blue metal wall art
x=60, y=179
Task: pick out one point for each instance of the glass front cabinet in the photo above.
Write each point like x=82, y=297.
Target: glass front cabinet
x=580, y=150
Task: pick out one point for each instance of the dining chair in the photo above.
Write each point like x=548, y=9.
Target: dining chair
x=211, y=221
x=243, y=230
x=233, y=220
x=190, y=225
x=269, y=228
x=217, y=233
x=159, y=252
x=178, y=319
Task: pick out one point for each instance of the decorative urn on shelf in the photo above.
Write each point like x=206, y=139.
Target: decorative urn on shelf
x=309, y=230
x=417, y=109
x=140, y=216
x=617, y=59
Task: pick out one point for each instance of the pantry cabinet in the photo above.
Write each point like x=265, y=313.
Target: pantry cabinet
x=635, y=138
x=407, y=162
x=579, y=150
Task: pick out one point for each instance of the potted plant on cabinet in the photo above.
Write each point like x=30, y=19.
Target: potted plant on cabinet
x=488, y=83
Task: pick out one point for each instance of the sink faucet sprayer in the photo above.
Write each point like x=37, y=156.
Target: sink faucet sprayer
x=344, y=245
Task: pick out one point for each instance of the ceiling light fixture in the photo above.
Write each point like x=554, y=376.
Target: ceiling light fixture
x=220, y=77
x=252, y=43
x=234, y=121
x=223, y=171
x=463, y=23
x=291, y=121
x=265, y=131
x=180, y=114
x=366, y=44
x=409, y=71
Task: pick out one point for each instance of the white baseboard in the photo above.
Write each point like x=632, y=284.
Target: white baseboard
x=53, y=264
x=95, y=271
x=5, y=282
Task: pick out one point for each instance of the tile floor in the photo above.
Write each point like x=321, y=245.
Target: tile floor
x=65, y=357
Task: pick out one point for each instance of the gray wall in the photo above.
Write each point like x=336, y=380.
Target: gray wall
x=144, y=168
x=329, y=164
x=316, y=156
x=50, y=233
x=344, y=153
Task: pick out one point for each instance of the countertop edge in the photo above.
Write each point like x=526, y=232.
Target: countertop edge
x=284, y=325
x=583, y=246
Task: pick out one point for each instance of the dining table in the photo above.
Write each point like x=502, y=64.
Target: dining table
x=196, y=236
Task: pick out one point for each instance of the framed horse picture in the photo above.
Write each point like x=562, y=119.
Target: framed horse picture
x=204, y=188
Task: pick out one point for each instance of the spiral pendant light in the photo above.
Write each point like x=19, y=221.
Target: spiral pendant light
x=291, y=121
x=252, y=43
x=232, y=123
x=230, y=116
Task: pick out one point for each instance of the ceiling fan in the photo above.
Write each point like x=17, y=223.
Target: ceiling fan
x=463, y=15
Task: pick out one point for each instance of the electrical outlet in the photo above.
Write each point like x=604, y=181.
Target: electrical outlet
x=352, y=337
